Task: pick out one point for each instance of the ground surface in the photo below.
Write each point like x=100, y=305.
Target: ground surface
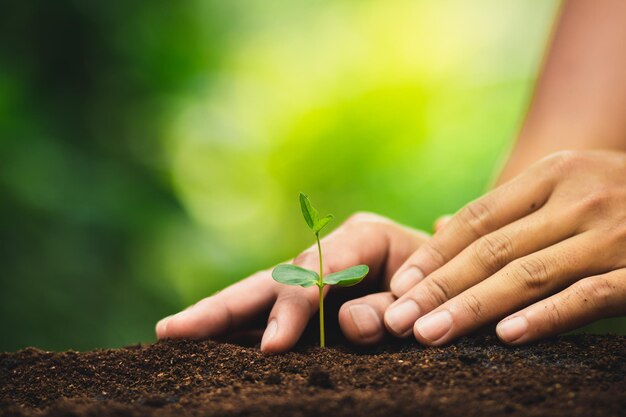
x=571, y=376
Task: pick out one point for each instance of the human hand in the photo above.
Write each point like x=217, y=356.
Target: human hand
x=365, y=238
x=549, y=246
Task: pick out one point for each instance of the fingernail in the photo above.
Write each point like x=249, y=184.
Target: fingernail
x=509, y=330
x=366, y=320
x=164, y=323
x=434, y=326
x=270, y=333
x=400, y=318
x=406, y=280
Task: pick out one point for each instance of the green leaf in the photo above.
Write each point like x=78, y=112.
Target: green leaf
x=322, y=223
x=294, y=275
x=309, y=213
x=347, y=277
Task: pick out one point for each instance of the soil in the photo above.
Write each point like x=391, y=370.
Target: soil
x=579, y=375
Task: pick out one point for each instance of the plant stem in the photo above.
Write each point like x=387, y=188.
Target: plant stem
x=321, y=287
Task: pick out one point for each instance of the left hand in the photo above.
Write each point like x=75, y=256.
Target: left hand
x=547, y=249
x=234, y=312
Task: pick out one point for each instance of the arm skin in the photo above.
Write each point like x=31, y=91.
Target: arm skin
x=579, y=101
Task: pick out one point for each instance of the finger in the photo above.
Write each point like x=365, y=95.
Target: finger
x=586, y=301
x=361, y=319
x=480, y=260
x=289, y=317
x=517, y=285
x=363, y=240
x=507, y=203
x=223, y=312
x=441, y=222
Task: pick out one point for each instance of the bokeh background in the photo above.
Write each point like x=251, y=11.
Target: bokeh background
x=151, y=152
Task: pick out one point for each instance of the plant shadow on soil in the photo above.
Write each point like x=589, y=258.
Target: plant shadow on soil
x=577, y=375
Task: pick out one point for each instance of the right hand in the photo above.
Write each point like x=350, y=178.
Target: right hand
x=365, y=238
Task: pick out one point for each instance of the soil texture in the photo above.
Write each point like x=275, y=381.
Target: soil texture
x=578, y=375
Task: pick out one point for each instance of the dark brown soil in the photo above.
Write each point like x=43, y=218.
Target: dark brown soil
x=570, y=376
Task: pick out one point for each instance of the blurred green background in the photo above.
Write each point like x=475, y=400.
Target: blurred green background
x=151, y=152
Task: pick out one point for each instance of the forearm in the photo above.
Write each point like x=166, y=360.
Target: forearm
x=580, y=97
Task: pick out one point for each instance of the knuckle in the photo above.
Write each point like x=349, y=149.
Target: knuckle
x=434, y=251
x=472, y=306
x=476, y=217
x=597, y=290
x=564, y=162
x=365, y=222
x=306, y=258
x=310, y=259
x=438, y=289
x=493, y=252
x=596, y=201
x=619, y=235
x=363, y=216
x=530, y=274
x=332, y=264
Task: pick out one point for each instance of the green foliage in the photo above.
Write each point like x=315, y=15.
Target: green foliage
x=295, y=275
x=311, y=215
x=347, y=277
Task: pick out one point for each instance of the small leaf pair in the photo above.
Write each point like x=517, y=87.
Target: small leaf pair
x=295, y=275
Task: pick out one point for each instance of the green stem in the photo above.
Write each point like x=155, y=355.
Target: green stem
x=321, y=287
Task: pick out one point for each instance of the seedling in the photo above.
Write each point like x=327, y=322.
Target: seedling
x=294, y=275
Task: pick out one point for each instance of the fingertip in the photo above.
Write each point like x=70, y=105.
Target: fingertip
x=424, y=341
x=346, y=324
x=434, y=328
x=273, y=341
x=174, y=326
x=272, y=349
x=512, y=330
x=196, y=323
x=400, y=317
x=269, y=336
x=405, y=279
x=361, y=324
x=161, y=328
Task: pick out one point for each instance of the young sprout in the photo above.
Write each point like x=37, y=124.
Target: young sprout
x=294, y=275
